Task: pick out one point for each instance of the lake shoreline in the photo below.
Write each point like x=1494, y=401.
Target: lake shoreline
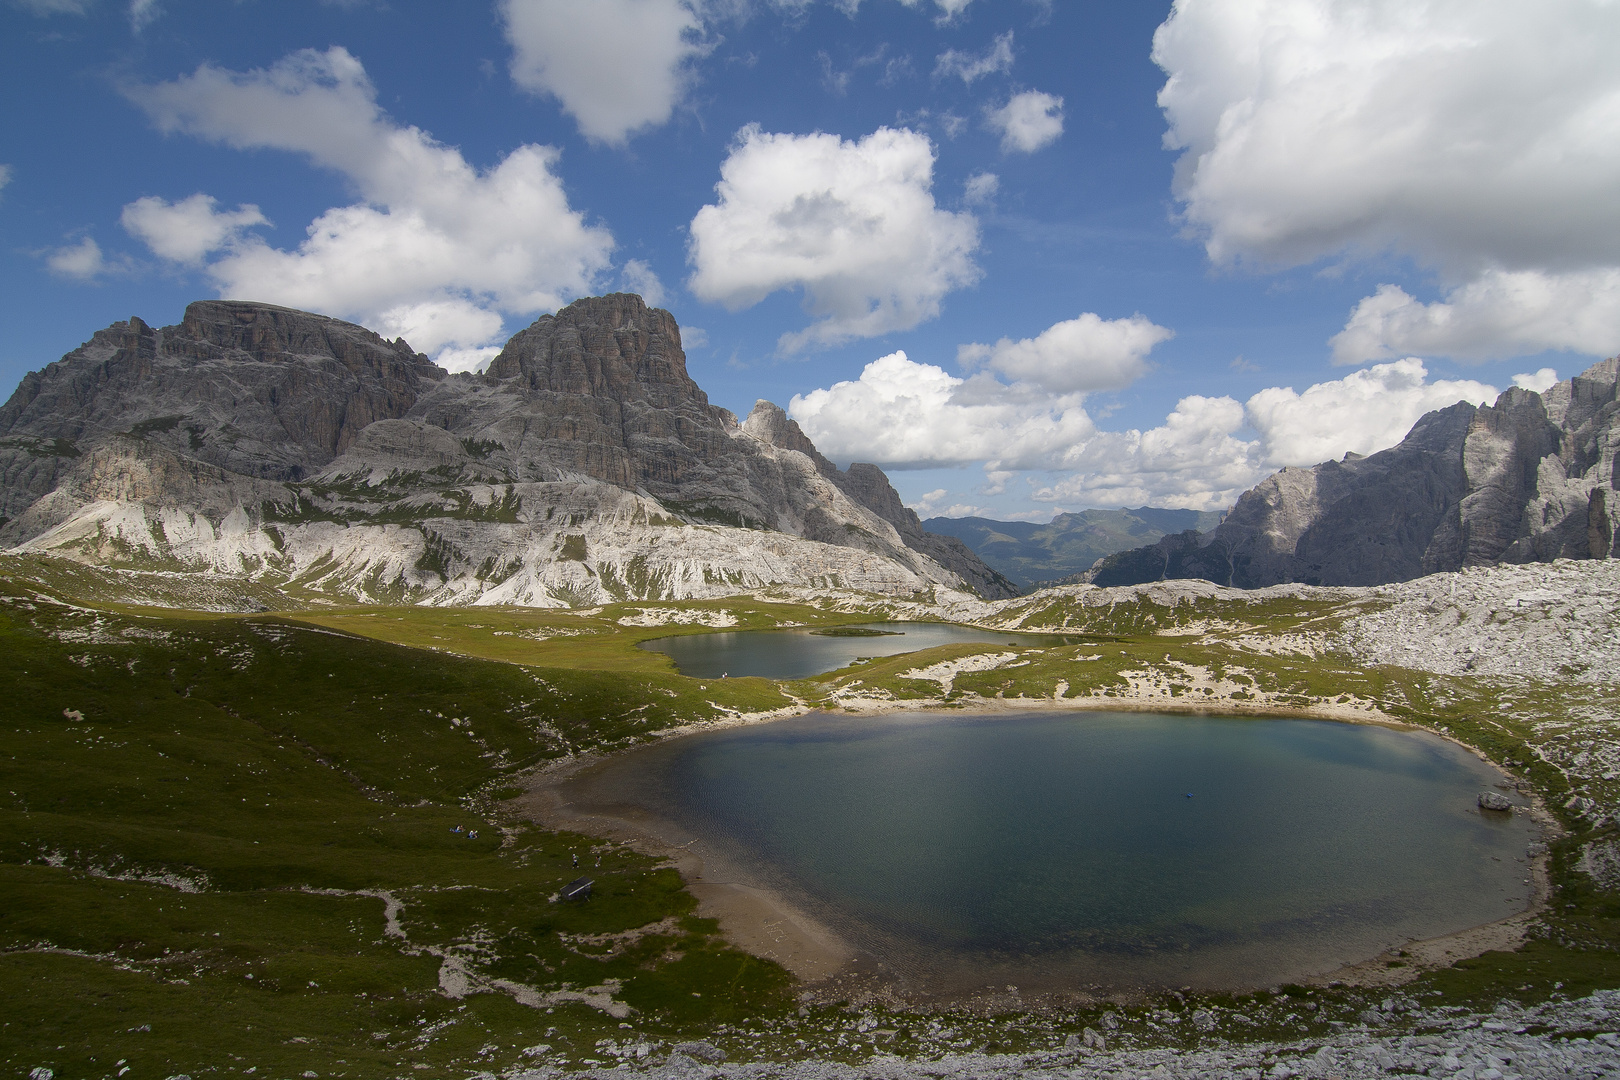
x=760, y=921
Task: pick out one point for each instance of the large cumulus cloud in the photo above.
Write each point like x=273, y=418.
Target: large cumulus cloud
x=436, y=249
x=1480, y=138
x=616, y=66
x=904, y=414
x=852, y=224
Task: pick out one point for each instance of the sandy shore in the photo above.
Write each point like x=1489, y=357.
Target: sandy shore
x=752, y=918
x=760, y=921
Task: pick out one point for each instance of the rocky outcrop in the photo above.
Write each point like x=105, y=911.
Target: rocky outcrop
x=1529, y=479
x=584, y=465
x=259, y=390
x=867, y=485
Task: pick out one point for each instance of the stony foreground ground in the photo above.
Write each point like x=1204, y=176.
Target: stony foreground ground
x=1559, y=1039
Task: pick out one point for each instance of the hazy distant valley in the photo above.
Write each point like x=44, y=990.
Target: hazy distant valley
x=1030, y=555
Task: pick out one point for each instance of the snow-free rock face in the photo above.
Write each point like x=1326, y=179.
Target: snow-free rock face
x=262, y=391
x=1531, y=478
x=584, y=465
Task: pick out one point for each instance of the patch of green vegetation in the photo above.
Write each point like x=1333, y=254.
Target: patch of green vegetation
x=706, y=514
x=573, y=548
x=43, y=447
x=202, y=816
x=438, y=555
x=156, y=424
x=480, y=448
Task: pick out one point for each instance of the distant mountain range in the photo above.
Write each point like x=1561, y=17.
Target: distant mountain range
x=1029, y=555
x=585, y=466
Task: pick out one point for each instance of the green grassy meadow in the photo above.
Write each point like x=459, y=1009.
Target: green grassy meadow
x=229, y=842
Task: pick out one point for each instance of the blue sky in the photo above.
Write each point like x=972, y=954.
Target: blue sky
x=1029, y=256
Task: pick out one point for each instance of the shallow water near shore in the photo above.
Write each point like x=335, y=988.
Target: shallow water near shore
x=1088, y=850
x=799, y=653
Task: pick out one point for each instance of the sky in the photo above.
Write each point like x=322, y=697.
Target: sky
x=1030, y=256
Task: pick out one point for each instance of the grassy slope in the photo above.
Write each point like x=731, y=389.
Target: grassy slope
x=257, y=758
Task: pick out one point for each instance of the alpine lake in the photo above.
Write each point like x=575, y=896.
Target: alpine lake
x=1073, y=849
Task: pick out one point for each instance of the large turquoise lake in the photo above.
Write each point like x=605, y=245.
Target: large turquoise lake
x=1066, y=850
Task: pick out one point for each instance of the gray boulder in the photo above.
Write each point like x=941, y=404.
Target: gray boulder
x=700, y=1051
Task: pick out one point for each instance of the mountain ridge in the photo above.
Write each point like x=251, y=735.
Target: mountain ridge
x=1529, y=478
x=583, y=465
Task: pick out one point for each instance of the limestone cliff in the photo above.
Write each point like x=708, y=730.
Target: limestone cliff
x=1531, y=478
x=584, y=465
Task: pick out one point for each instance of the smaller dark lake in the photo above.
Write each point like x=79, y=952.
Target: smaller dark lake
x=1059, y=850
x=800, y=653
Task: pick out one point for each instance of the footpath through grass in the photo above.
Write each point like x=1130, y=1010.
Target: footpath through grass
x=204, y=822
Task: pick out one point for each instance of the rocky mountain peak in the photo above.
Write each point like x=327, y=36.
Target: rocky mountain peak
x=1528, y=478
x=256, y=389
x=611, y=346
x=266, y=333
x=584, y=465
x=768, y=423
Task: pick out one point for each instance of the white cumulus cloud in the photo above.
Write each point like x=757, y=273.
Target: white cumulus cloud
x=5, y=176
x=905, y=414
x=82, y=261
x=980, y=188
x=434, y=244
x=1194, y=460
x=639, y=277
x=949, y=9
x=852, y=224
x=1364, y=412
x=1085, y=353
x=142, y=13
x=617, y=66
x=970, y=68
x=1028, y=122
x=1537, y=381
x=1498, y=314
x=450, y=319
x=189, y=230
x=1480, y=138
